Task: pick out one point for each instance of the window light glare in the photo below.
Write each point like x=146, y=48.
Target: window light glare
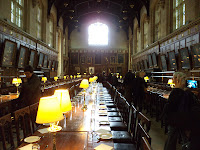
x=98, y=34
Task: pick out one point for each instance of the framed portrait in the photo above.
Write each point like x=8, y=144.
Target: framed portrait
x=119, y=70
x=154, y=60
x=120, y=58
x=195, y=52
x=53, y=65
x=89, y=60
x=172, y=60
x=49, y=64
x=23, y=53
x=145, y=64
x=98, y=59
x=74, y=58
x=163, y=62
x=112, y=60
x=82, y=60
x=9, y=53
x=150, y=61
x=32, y=59
x=45, y=61
x=184, y=58
x=91, y=70
x=41, y=59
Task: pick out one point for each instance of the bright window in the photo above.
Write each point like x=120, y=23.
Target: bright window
x=98, y=34
x=17, y=7
x=51, y=32
x=64, y=51
x=39, y=23
x=179, y=13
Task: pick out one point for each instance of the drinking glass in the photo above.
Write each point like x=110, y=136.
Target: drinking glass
x=36, y=146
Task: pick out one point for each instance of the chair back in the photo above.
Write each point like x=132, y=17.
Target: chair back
x=22, y=119
x=6, y=135
x=145, y=144
x=133, y=117
x=33, y=111
x=139, y=134
x=144, y=121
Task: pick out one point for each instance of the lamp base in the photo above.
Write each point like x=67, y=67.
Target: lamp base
x=84, y=107
x=54, y=128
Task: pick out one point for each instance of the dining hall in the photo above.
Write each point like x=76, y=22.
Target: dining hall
x=99, y=74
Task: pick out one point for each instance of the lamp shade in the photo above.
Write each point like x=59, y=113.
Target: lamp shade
x=49, y=110
x=146, y=78
x=64, y=99
x=84, y=84
x=44, y=79
x=170, y=81
x=16, y=81
x=55, y=78
x=91, y=79
x=65, y=77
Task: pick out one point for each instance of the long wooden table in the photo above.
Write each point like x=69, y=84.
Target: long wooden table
x=78, y=127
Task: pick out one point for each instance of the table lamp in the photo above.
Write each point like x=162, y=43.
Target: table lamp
x=146, y=78
x=65, y=77
x=17, y=82
x=55, y=78
x=170, y=82
x=64, y=99
x=120, y=77
x=71, y=76
x=44, y=79
x=84, y=84
x=49, y=112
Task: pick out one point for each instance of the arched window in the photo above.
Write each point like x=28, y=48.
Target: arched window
x=145, y=33
x=51, y=32
x=17, y=9
x=39, y=22
x=98, y=34
x=137, y=40
x=178, y=13
x=64, y=50
x=157, y=23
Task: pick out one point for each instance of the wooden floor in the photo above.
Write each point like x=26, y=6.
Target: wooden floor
x=157, y=134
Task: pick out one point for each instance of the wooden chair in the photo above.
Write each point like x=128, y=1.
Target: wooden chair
x=6, y=135
x=145, y=144
x=22, y=119
x=139, y=134
x=33, y=111
x=131, y=130
x=144, y=121
x=124, y=109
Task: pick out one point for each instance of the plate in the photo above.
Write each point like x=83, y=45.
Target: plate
x=104, y=123
x=102, y=107
x=32, y=139
x=102, y=131
x=105, y=136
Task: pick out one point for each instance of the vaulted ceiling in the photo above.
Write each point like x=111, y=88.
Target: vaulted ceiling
x=119, y=12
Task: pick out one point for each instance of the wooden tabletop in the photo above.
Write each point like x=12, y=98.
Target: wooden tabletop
x=78, y=128
x=6, y=98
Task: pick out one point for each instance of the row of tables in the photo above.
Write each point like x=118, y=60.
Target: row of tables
x=87, y=129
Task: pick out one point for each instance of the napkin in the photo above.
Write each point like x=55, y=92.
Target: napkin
x=103, y=147
x=44, y=130
x=27, y=147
